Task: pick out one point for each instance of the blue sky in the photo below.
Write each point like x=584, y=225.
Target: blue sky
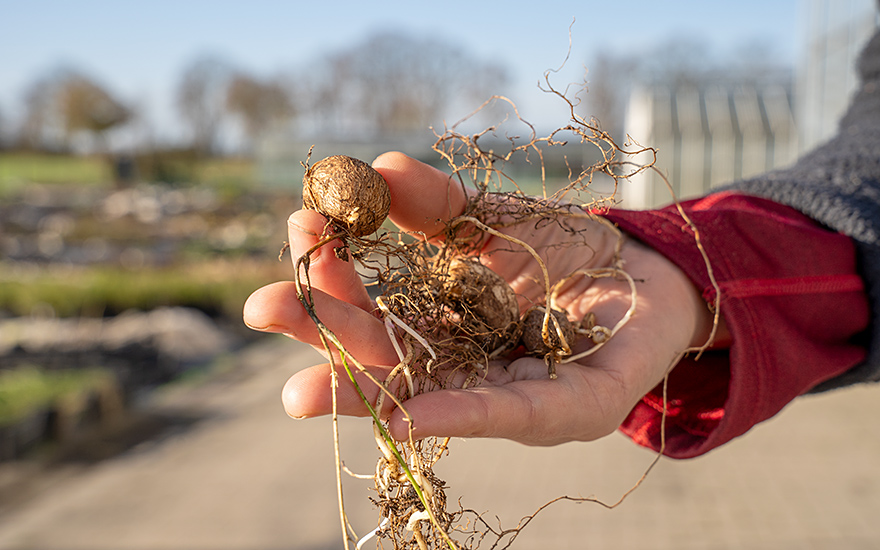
x=139, y=49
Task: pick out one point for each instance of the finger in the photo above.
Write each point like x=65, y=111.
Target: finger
x=276, y=308
x=326, y=271
x=307, y=394
x=422, y=197
x=533, y=411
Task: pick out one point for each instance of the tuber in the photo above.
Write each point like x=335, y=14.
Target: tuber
x=532, y=337
x=349, y=192
x=484, y=294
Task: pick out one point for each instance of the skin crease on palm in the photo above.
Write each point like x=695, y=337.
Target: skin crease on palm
x=517, y=400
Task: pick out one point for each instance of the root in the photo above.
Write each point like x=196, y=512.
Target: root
x=599, y=334
x=440, y=341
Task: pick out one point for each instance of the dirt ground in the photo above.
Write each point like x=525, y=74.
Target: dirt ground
x=218, y=465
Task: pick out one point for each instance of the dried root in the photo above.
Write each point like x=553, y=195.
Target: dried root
x=447, y=315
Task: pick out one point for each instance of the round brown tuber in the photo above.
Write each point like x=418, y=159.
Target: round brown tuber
x=349, y=192
x=533, y=324
x=485, y=294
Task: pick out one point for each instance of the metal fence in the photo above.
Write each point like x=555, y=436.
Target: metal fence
x=716, y=132
x=708, y=135
x=834, y=33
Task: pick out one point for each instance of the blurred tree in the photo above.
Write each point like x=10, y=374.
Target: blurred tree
x=201, y=100
x=4, y=128
x=393, y=83
x=65, y=103
x=679, y=61
x=757, y=59
x=682, y=61
x=38, y=100
x=610, y=81
x=85, y=106
x=258, y=104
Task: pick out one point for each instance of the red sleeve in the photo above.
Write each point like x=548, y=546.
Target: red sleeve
x=793, y=301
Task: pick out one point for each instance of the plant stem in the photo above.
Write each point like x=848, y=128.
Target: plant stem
x=393, y=447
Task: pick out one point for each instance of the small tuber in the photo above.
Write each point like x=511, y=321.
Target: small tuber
x=486, y=296
x=533, y=324
x=349, y=192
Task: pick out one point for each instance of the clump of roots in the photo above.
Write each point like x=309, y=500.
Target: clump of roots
x=448, y=315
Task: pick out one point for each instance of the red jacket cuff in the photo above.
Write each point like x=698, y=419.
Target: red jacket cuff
x=793, y=301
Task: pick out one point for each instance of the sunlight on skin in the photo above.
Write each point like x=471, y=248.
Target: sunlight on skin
x=517, y=400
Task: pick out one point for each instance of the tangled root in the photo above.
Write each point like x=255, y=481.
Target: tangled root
x=448, y=315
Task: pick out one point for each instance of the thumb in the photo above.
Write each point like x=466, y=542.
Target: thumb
x=422, y=197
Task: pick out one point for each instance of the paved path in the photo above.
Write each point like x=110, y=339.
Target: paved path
x=247, y=477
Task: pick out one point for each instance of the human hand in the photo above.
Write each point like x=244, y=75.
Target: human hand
x=516, y=400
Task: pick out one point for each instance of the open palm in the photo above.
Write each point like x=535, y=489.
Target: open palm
x=517, y=400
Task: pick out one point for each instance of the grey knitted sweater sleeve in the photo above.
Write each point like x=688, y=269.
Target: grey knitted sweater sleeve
x=838, y=185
